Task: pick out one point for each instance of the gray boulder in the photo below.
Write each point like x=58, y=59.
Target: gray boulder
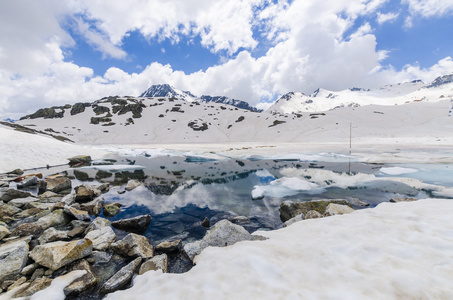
x=83, y=283
x=97, y=223
x=223, y=233
x=11, y=194
x=28, y=229
x=313, y=214
x=169, y=247
x=13, y=257
x=22, y=202
x=54, y=219
x=134, y=245
x=93, y=207
x=52, y=235
x=58, y=184
x=8, y=210
x=77, y=213
x=112, y=209
x=291, y=221
x=37, y=285
x=122, y=277
x=289, y=209
x=337, y=209
x=158, y=262
x=58, y=254
x=102, y=238
x=4, y=231
x=85, y=193
x=79, y=158
x=137, y=224
x=31, y=181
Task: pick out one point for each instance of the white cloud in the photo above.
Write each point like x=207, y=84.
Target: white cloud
x=427, y=9
x=383, y=18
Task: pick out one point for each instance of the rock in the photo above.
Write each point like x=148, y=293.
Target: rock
x=99, y=257
x=206, y=223
x=8, y=210
x=13, y=257
x=76, y=231
x=85, y=193
x=11, y=194
x=42, y=206
x=58, y=184
x=93, y=207
x=289, y=209
x=39, y=272
x=137, y=224
x=239, y=219
x=17, y=283
x=78, y=214
x=37, y=285
x=16, y=172
x=112, y=209
x=42, y=187
x=223, y=233
x=312, y=214
x=357, y=202
x=101, y=238
x=69, y=199
x=97, y=223
x=104, y=188
x=52, y=235
x=121, y=192
x=48, y=194
x=31, y=181
x=58, y=254
x=54, y=219
x=83, y=283
x=29, y=269
x=402, y=199
x=132, y=184
x=21, y=202
x=122, y=277
x=158, y=262
x=28, y=229
x=169, y=247
x=337, y=209
x=58, y=205
x=79, y=159
x=291, y=221
x=134, y=245
x=28, y=212
x=4, y=231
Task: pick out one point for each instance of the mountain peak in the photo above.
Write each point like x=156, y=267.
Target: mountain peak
x=441, y=80
x=166, y=90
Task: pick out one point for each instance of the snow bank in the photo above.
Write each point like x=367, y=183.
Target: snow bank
x=392, y=251
x=26, y=151
x=397, y=170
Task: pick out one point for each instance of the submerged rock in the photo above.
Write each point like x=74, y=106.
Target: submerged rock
x=58, y=254
x=137, y=224
x=134, y=245
x=122, y=277
x=112, y=209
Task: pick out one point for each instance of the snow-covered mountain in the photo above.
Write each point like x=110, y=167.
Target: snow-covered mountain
x=323, y=100
x=168, y=91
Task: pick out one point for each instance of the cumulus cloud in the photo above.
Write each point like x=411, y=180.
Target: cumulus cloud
x=383, y=18
x=427, y=9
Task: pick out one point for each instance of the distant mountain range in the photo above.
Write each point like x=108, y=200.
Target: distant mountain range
x=166, y=90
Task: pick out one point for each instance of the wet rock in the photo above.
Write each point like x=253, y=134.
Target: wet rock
x=223, y=233
x=59, y=184
x=13, y=257
x=76, y=213
x=93, y=207
x=85, y=193
x=134, y=245
x=132, y=184
x=52, y=235
x=239, y=220
x=402, y=199
x=37, y=285
x=28, y=229
x=122, y=277
x=101, y=238
x=137, y=224
x=83, y=283
x=97, y=223
x=294, y=220
x=58, y=254
x=337, y=209
x=206, y=223
x=28, y=182
x=79, y=159
x=158, y=262
x=112, y=209
x=313, y=214
x=169, y=247
x=289, y=209
x=4, y=231
x=11, y=194
x=54, y=219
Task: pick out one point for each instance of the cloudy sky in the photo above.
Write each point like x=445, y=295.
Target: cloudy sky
x=54, y=52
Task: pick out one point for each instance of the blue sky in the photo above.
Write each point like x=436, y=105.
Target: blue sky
x=55, y=52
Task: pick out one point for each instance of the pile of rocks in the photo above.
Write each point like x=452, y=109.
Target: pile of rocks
x=46, y=236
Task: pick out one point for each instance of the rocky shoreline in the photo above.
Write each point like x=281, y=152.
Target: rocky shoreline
x=58, y=231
